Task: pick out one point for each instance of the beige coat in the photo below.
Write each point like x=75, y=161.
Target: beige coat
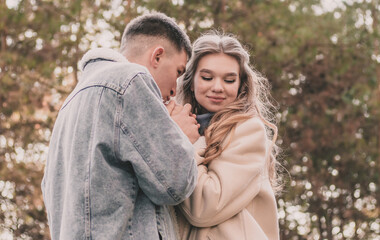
x=233, y=198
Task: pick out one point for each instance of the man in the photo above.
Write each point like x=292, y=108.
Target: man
x=116, y=158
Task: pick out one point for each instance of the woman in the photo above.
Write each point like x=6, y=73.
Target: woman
x=237, y=180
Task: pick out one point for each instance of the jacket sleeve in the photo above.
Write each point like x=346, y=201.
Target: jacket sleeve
x=162, y=159
x=232, y=180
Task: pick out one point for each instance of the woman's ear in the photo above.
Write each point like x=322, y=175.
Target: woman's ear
x=156, y=56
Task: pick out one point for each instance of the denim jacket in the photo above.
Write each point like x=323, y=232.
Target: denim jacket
x=116, y=159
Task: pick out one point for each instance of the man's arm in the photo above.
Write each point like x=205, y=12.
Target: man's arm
x=164, y=165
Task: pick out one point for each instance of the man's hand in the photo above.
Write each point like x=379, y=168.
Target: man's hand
x=185, y=119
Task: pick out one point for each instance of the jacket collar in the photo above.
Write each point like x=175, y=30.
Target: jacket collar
x=105, y=54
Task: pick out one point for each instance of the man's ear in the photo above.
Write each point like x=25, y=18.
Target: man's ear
x=156, y=56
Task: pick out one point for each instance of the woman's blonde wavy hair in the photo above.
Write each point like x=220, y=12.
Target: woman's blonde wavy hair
x=253, y=98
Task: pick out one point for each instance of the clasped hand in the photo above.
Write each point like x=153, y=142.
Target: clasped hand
x=185, y=119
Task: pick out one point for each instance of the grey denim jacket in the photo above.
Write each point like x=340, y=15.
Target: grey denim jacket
x=116, y=159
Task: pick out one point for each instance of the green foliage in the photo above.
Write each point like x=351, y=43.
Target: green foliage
x=323, y=70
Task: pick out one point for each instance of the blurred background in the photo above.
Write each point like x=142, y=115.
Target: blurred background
x=322, y=58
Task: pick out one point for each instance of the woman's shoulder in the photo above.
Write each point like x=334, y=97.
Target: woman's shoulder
x=251, y=125
x=248, y=141
x=248, y=132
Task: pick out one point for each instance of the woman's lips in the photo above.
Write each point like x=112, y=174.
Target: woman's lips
x=216, y=99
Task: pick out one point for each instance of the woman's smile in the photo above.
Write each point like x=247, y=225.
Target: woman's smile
x=216, y=99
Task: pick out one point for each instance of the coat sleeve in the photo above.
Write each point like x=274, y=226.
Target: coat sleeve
x=232, y=180
x=163, y=158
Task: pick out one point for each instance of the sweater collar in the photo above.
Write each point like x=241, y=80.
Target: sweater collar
x=204, y=121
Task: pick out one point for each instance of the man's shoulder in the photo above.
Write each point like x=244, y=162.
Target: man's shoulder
x=109, y=68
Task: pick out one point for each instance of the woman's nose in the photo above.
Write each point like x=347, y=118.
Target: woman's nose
x=217, y=86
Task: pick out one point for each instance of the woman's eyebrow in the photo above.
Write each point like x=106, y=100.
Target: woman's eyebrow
x=233, y=74
x=205, y=70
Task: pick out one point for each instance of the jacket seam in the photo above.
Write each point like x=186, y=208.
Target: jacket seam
x=82, y=89
x=128, y=83
x=117, y=122
x=88, y=178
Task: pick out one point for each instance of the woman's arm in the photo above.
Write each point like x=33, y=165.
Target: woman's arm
x=232, y=180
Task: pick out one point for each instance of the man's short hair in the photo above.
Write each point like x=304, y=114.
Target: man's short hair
x=156, y=25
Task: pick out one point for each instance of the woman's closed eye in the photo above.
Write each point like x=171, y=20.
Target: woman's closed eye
x=206, y=78
x=230, y=80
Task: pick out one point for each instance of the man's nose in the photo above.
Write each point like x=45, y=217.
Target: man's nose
x=173, y=92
